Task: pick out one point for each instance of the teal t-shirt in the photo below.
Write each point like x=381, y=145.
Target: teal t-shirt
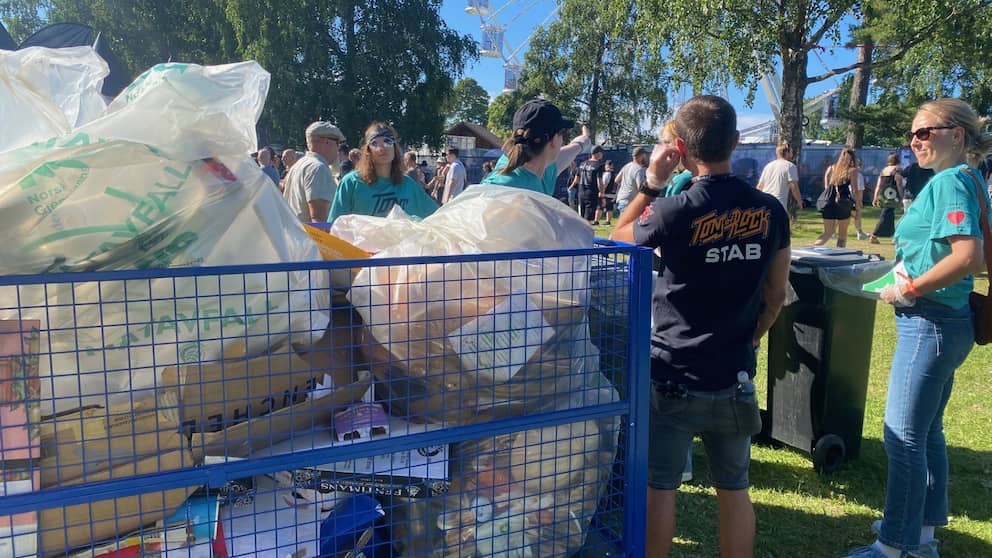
x=947, y=206
x=523, y=178
x=678, y=183
x=355, y=197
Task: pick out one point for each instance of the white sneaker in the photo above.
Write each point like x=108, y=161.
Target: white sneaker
x=863, y=235
x=926, y=550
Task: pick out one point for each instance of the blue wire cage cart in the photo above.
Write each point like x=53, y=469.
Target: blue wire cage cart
x=483, y=405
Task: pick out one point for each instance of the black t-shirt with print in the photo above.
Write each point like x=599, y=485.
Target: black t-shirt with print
x=590, y=171
x=718, y=240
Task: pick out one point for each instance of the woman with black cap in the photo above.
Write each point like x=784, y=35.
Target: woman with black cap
x=534, y=155
x=379, y=182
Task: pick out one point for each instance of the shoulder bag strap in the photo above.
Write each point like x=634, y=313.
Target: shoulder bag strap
x=984, y=223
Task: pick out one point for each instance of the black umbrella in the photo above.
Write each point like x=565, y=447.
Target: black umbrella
x=6, y=42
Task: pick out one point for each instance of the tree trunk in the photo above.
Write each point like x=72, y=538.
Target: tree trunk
x=859, y=94
x=348, y=119
x=794, y=62
x=594, y=89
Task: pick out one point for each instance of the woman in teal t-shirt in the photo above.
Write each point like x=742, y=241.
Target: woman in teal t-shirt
x=939, y=243
x=378, y=183
x=534, y=153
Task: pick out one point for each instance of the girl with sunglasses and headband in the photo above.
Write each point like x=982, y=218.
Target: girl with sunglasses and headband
x=938, y=242
x=378, y=183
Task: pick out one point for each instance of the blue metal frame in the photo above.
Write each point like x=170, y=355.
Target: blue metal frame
x=633, y=405
x=635, y=512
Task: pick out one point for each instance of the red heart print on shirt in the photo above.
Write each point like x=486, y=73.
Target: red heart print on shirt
x=955, y=217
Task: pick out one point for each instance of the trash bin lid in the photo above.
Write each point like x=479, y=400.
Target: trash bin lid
x=823, y=256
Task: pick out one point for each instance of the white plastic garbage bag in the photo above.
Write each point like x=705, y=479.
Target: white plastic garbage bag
x=451, y=340
x=160, y=180
x=47, y=92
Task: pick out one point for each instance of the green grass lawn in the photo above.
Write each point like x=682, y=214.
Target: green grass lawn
x=803, y=514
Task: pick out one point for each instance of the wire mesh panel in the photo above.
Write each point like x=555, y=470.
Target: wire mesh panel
x=463, y=406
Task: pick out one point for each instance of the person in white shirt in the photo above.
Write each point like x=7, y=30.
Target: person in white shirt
x=780, y=178
x=456, y=179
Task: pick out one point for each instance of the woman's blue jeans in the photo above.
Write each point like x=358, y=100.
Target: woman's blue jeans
x=933, y=340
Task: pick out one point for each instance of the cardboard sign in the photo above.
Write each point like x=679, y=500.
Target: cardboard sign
x=19, y=445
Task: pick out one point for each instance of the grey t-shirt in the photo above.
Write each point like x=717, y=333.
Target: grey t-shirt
x=309, y=179
x=631, y=177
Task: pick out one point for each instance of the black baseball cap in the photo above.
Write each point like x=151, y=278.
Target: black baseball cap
x=541, y=117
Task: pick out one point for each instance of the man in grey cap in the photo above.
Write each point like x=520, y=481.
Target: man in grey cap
x=310, y=184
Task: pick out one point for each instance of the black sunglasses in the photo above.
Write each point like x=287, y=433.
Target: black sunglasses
x=923, y=134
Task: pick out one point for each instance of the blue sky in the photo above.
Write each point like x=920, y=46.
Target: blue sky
x=522, y=17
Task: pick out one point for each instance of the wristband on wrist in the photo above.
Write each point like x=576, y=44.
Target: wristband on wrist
x=654, y=183
x=649, y=191
x=911, y=289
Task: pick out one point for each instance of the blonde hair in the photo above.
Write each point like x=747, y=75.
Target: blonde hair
x=841, y=171
x=955, y=112
x=669, y=128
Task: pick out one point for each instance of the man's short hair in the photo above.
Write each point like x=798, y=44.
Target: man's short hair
x=597, y=149
x=707, y=125
x=782, y=149
x=452, y=151
x=640, y=150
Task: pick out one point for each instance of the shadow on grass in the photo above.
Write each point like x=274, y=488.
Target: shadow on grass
x=863, y=480
x=786, y=532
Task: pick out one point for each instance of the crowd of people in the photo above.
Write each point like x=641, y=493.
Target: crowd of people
x=722, y=281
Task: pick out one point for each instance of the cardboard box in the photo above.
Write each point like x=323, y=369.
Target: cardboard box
x=73, y=526
x=251, y=436
x=98, y=444
x=216, y=396
x=413, y=474
x=97, y=439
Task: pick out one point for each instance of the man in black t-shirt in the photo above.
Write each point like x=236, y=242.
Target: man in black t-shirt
x=725, y=264
x=590, y=181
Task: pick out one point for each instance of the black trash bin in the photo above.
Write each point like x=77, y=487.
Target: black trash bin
x=819, y=352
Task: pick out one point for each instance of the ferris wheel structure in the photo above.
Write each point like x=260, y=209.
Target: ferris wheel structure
x=494, y=42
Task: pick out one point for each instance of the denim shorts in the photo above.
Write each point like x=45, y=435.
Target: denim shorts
x=725, y=420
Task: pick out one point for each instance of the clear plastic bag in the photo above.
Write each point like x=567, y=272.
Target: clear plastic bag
x=47, y=92
x=160, y=180
x=526, y=494
x=453, y=340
